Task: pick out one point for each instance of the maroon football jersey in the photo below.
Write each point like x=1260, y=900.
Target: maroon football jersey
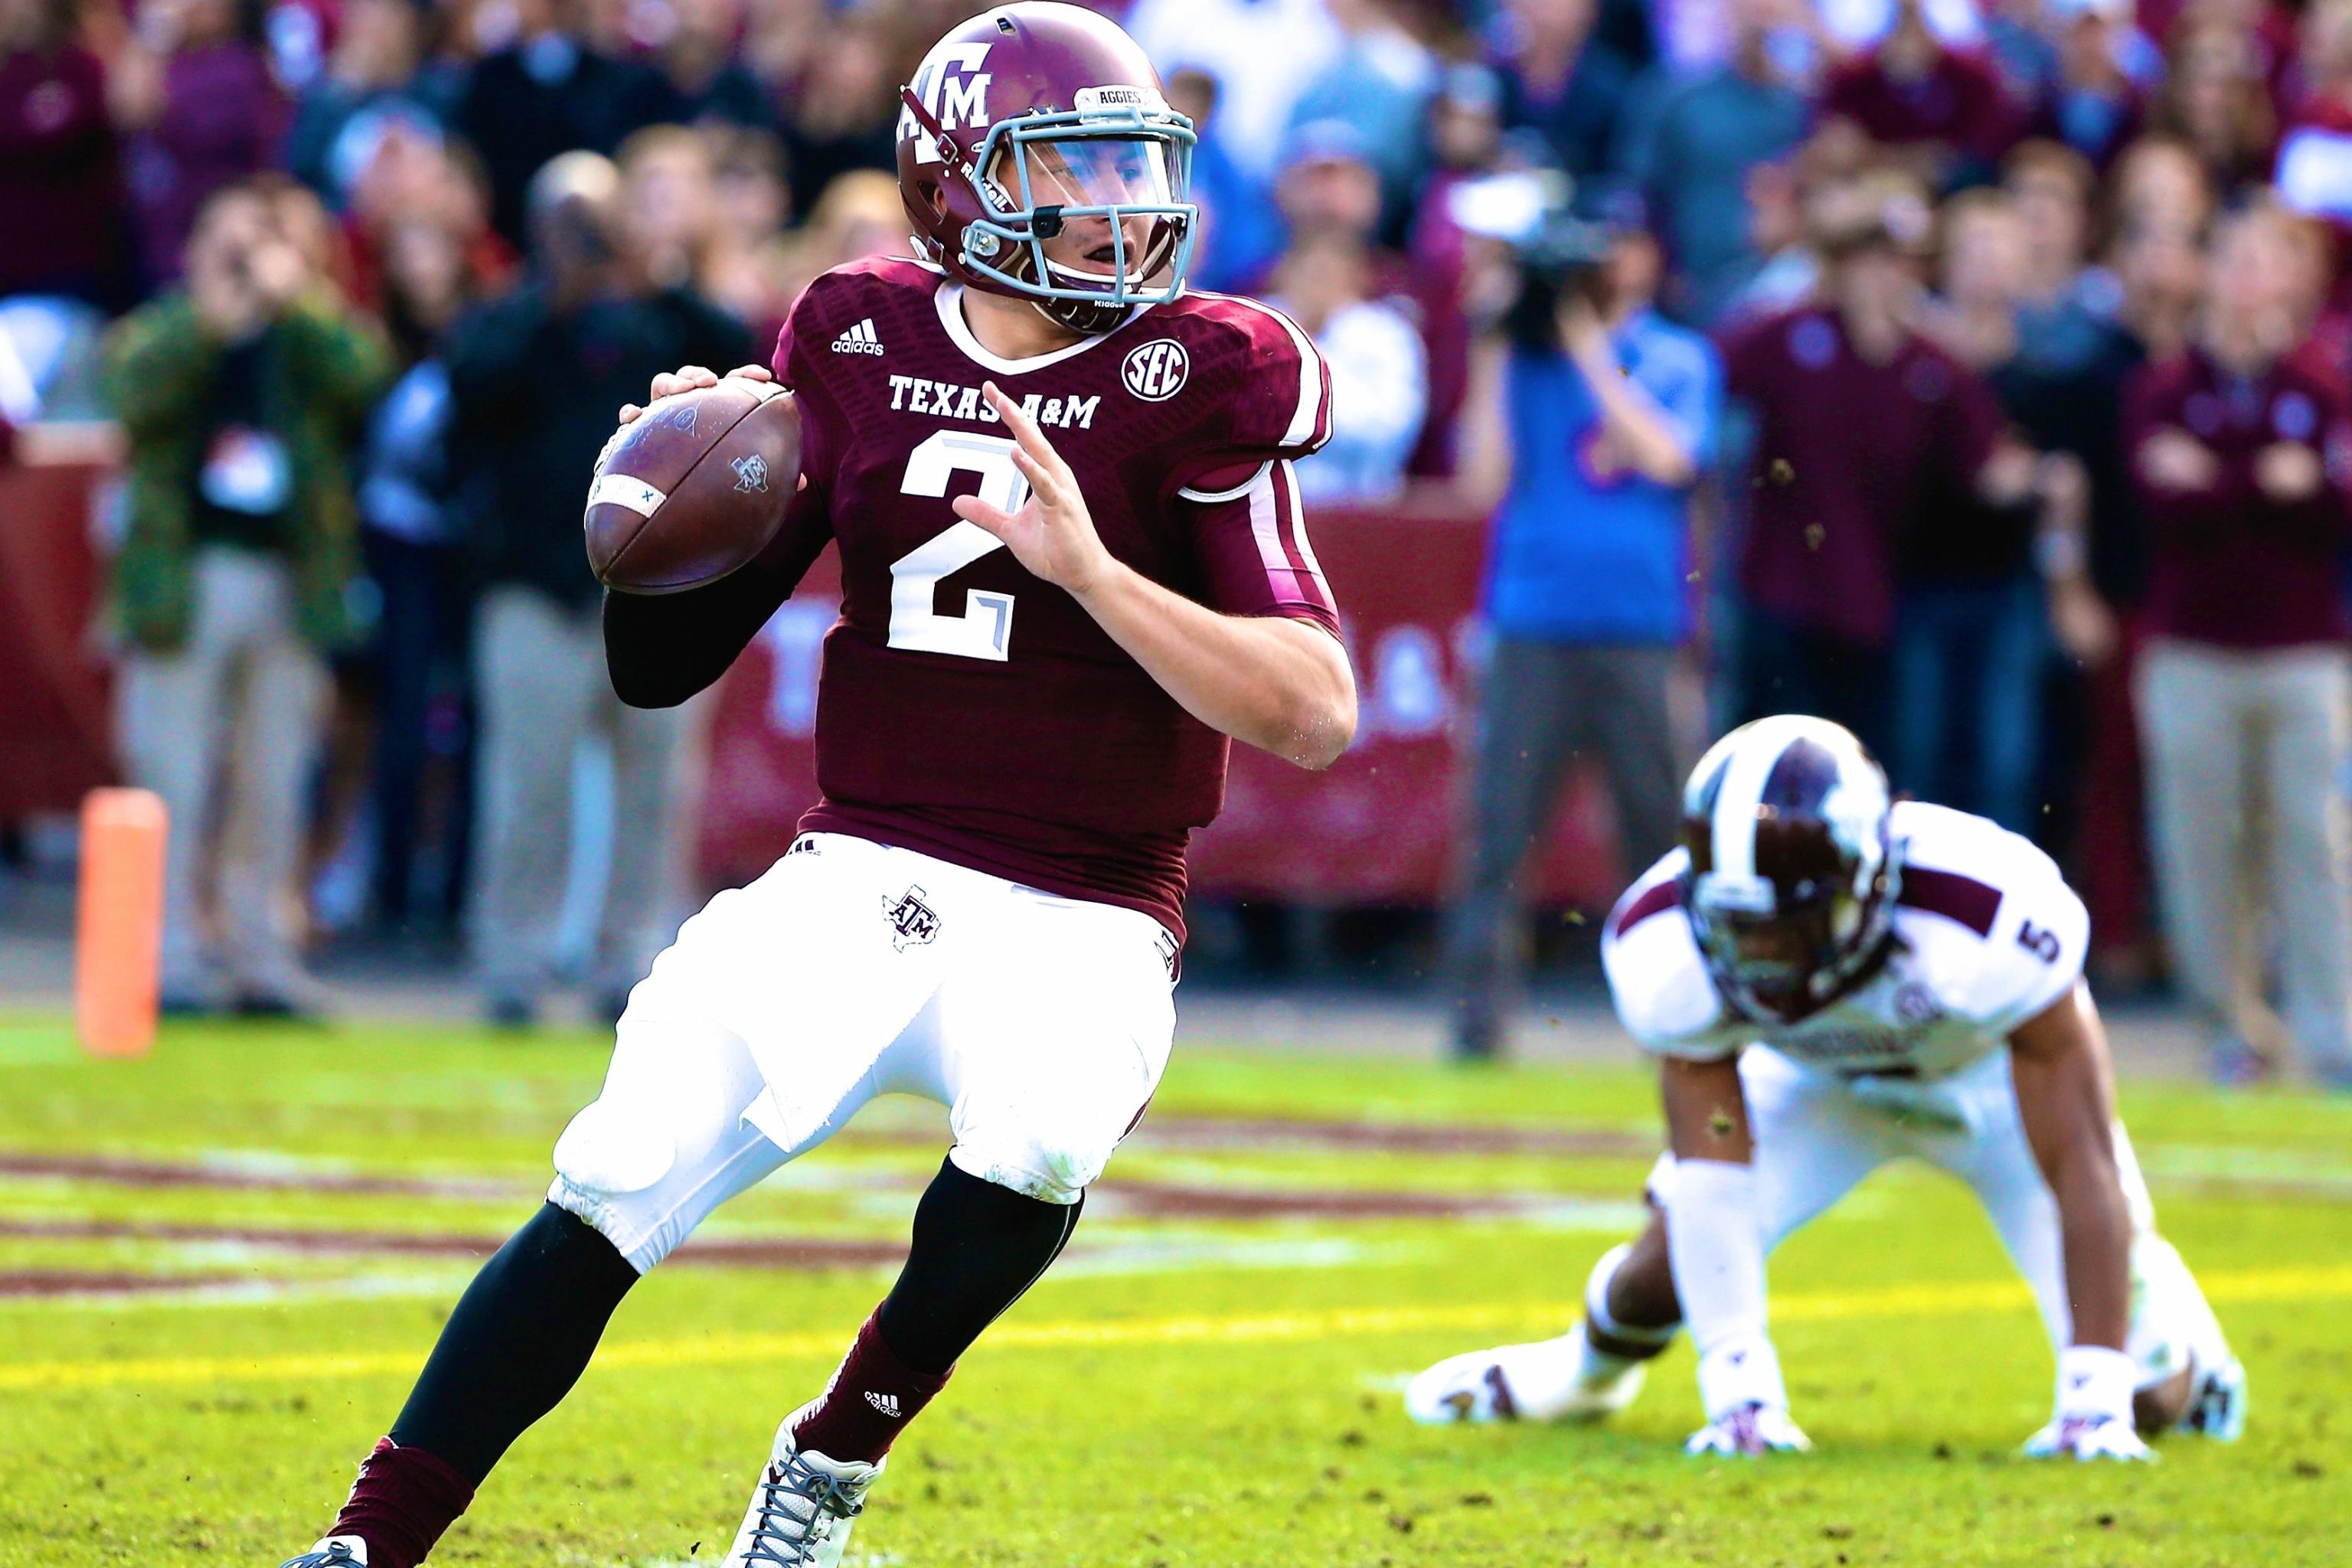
x=967, y=708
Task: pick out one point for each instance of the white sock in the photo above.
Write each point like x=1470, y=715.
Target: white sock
x=2172, y=1324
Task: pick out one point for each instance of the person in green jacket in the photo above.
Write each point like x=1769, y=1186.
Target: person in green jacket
x=242, y=395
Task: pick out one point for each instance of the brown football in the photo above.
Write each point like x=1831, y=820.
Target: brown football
x=693, y=488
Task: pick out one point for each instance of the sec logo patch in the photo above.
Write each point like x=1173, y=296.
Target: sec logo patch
x=1155, y=371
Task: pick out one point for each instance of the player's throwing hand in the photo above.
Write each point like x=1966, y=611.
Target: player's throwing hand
x=1053, y=535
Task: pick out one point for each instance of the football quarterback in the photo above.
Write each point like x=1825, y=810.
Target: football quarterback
x=1073, y=567
x=1834, y=980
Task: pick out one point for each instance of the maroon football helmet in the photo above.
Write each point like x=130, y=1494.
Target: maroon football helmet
x=1031, y=118
x=1792, y=876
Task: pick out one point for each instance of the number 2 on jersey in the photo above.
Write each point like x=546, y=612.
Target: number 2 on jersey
x=984, y=629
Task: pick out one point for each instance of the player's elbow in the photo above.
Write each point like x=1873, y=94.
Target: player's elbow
x=1319, y=733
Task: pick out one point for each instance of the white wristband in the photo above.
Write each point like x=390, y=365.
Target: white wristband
x=2096, y=1383
x=1717, y=1246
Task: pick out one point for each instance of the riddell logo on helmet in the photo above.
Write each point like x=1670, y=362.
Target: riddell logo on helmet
x=1155, y=371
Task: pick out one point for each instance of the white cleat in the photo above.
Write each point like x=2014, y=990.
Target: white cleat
x=335, y=1552
x=1549, y=1380
x=802, y=1510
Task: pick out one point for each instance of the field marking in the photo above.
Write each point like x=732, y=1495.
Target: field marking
x=1902, y=1301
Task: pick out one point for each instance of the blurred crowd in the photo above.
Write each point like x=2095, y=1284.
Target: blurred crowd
x=1969, y=370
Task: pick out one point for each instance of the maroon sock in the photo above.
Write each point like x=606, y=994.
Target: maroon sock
x=402, y=1502
x=868, y=1402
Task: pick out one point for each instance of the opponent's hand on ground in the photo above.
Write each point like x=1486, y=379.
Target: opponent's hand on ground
x=1749, y=1429
x=685, y=378
x=1053, y=534
x=2088, y=1437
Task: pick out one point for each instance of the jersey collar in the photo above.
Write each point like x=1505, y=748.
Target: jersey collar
x=948, y=297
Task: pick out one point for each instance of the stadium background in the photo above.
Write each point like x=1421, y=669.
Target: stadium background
x=1730, y=129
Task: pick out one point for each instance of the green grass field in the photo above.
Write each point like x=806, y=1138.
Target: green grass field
x=220, y=1269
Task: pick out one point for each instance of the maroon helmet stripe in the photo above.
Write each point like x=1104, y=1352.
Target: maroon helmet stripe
x=1802, y=778
x=1665, y=895
x=1955, y=898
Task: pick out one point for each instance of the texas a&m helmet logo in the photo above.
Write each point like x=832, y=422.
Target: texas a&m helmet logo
x=913, y=923
x=1155, y=371
x=954, y=89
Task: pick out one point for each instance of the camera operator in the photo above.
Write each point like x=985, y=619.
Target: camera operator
x=242, y=394
x=1588, y=418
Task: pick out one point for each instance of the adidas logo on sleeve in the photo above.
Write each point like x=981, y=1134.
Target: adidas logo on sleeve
x=860, y=339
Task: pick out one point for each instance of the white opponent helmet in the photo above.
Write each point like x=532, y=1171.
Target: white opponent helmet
x=1792, y=876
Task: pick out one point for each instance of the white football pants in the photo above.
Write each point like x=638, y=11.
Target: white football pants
x=1818, y=1135
x=849, y=970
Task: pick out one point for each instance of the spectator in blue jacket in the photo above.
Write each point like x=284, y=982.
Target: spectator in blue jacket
x=1590, y=419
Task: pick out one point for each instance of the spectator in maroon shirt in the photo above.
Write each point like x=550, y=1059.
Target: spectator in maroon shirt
x=1862, y=424
x=1942, y=110
x=2242, y=451
x=59, y=176
x=194, y=88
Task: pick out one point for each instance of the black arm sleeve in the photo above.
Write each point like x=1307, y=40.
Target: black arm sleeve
x=662, y=649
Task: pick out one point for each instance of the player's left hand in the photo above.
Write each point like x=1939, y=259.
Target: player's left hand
x=689, y=378
x=1053, y=534
x=2088, y=1437
x=1747, y=1430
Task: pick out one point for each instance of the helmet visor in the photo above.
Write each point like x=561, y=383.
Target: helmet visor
x=1110, y=198
x=1774, y=949
x=1099, y=172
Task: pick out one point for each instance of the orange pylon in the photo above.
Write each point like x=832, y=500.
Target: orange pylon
x=119, y=944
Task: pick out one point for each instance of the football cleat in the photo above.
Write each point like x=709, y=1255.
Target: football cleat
x=1550, y=1380
x=335, y=1552
x=2088, y=1437
x=2217, y=1408
x=802, y=1510
x=1747, y=1430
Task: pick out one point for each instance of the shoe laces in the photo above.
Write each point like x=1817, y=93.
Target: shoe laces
x=797, y=1507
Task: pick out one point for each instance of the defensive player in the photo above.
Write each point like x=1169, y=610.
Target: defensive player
x=1073, y=567
x=1835, y=981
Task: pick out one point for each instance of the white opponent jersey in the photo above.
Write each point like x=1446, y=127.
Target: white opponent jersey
x=1987, y=934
